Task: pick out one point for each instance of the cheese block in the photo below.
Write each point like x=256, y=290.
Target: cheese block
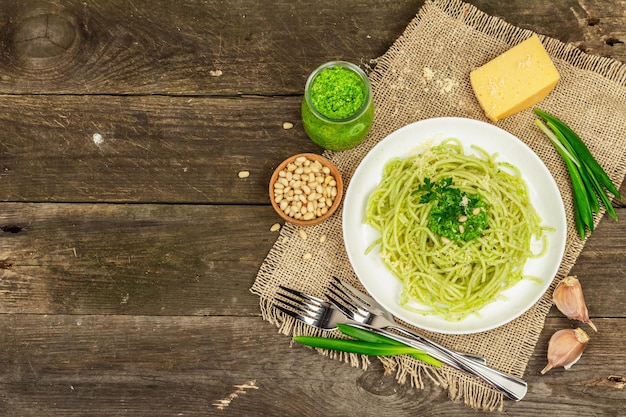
x=516, y=80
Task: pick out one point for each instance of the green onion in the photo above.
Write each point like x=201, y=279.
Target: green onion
x=354, y=346
x=582, y=210
x=366, y=336
x=368, y=343
x=590, y=182
x=582, y=152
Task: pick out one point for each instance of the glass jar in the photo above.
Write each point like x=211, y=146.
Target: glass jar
x=337, y=108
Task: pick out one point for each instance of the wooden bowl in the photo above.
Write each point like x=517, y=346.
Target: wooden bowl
x=318, y=217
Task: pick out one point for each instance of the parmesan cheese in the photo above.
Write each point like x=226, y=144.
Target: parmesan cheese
x=516, y=80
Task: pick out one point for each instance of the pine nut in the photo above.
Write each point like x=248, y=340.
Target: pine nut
x=305, y=189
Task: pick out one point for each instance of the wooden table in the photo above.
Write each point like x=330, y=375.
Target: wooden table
x=128, y=242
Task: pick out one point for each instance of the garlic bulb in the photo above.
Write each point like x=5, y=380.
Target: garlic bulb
x=565, y=348
x=569, y=299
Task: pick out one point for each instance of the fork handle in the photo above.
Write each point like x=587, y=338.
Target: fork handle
x=475, y=358
x=511, y=386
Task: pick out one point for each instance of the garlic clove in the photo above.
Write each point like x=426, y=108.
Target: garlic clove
x=568, y=298
x=565, y=348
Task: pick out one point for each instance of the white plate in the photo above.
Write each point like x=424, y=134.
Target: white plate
x=544, y=195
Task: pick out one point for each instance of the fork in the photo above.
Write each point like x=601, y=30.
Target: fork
x=309, y=309
x=319, y=313
x=363, y=309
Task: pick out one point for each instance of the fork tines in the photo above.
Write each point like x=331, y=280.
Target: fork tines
x=298, y=305
x=341, y=296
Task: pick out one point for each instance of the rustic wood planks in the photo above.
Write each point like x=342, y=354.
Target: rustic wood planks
x=128, y=242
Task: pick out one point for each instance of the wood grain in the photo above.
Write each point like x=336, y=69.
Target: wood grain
x=256, y=47
x=189, y=48
x=176, y=259
x=76, y=365
x=149, y=149
x=128, y=243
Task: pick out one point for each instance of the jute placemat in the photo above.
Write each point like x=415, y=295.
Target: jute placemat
x=425, y=74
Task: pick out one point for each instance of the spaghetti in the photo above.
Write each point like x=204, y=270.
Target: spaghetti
x=453, y=278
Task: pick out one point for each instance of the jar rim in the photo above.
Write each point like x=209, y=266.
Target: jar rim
x=354, y=68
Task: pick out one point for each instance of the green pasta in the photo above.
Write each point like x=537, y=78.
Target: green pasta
x=453, y=279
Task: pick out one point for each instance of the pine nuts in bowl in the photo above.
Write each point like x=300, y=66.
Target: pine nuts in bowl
x=306, y=189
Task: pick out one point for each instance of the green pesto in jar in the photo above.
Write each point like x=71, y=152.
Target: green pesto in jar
x=337, y=107
x=338, y=93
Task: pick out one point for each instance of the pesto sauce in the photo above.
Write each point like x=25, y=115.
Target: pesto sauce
x=337, y=108
x=338, y=93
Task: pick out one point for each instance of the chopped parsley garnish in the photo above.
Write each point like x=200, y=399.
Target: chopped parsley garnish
x=455, y=214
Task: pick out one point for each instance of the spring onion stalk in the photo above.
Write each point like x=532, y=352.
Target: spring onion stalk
x=365, y=336
x=593, y=187
x=355, y=346
x=582, y=152
x=582, y=210
x=367, y=343
x=586, y=179
x=590, y=183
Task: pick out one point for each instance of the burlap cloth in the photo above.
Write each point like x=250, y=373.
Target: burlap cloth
x=425, y=74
